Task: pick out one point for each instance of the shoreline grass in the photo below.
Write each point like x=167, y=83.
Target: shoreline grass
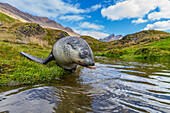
x=16, y=69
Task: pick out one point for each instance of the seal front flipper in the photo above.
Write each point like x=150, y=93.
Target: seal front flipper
x=39, y=60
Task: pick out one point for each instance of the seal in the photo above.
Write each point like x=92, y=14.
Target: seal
x=69, y=52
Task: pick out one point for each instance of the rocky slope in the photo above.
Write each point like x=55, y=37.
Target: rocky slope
x=12, y=30
x=111, y=37
x=25, y=17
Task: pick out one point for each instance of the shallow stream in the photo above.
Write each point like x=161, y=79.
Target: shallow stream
x=114, y=86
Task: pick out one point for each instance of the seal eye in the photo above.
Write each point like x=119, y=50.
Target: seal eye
x=71, y=45
x=84, y=53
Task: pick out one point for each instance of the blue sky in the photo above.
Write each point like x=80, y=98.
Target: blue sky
x=99, y=18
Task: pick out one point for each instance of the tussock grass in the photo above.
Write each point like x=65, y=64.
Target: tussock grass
x=40, y=42
x=5, y=36
x=16, y=69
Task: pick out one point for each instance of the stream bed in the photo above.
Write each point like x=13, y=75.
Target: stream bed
x=114, y=86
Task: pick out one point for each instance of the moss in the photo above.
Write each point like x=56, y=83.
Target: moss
x=15, y=69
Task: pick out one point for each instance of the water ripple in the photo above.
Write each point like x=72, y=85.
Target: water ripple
x=114, y=86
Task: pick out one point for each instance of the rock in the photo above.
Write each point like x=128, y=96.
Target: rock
x=1, y=23
x=144, y=40
x=21, y=42
x=30, y=29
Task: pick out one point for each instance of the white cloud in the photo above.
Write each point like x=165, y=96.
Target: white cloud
x=52, y=8
x=71, y=18
x=164, y=7
x=94, y=34
x=139, y=20
x=95, y=7
x=128, y=9
x=160, y=25
x=91, y=26
x=137, y=8
x=45, y=8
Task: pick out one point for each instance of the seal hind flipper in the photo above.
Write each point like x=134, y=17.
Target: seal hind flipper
x=49, y=58
x=39, y=60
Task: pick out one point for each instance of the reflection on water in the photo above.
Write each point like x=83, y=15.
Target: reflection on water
x=114, y=86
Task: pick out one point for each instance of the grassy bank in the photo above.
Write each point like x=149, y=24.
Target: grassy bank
x=15, y=69
x=155, y=49
x=16, y=36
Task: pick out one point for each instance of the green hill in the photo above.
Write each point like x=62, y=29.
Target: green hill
x=6, y=19
x=95, y=44
x=140, y=37
x=144, y=44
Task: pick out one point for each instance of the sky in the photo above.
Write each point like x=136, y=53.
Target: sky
x=100, y=18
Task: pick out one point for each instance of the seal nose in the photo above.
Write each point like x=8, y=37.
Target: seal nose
x=93, y=64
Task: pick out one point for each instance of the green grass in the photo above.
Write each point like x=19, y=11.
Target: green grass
x=6, y=18
x=155, y=49
x=15, y=69
x=53, y=35
x=96, y=45
x=162, y=44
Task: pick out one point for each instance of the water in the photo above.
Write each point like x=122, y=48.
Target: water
x=114, y=86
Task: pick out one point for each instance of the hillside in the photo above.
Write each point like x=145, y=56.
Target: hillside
x=23, y=28
x=143, y=36
x=6, y=19
x=28, y=33
x=144, y=44
x=18, y=36
x=25, y=17
x=95, y=44
x=31, y=33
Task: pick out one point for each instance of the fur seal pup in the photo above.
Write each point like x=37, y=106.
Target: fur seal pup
x=69, y=52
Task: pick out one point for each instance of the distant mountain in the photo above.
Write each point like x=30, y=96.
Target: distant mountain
x=111, y=37
x=25, y=17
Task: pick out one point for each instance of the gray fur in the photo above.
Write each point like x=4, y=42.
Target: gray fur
x=68, y=52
